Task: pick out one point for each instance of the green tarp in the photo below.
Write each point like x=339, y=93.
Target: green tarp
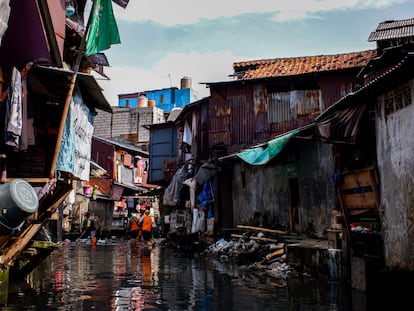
x=263, y=154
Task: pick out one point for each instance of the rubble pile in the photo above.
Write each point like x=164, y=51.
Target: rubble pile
x=253, y=252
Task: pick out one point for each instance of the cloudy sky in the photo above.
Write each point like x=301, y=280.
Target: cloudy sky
x=163, y=41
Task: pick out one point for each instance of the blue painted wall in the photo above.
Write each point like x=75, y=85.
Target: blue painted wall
x=165, y=99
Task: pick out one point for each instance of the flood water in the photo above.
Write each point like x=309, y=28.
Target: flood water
x=78, y=276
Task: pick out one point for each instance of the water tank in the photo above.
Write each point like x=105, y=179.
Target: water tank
x=151, y=102
x=142, y=101
x=185, y=83
x=18, y=200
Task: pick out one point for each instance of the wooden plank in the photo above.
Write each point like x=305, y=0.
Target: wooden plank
x=20, y=243
x=256, y=238
x=52, y=208
x=3, y=240
x=261, y=229
x=356, y=180
x=374, y=182
x=359, y=200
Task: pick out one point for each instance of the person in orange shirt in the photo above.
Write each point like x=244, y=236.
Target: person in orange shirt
x=134, y=229
x=146, y=227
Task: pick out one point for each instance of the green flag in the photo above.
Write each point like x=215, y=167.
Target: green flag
x=103, y=31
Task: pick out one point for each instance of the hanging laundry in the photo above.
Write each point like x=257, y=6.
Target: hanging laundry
x=187, y=135
x=206, y=198
x=191, y=182
x=127, y=160
x=14, y=111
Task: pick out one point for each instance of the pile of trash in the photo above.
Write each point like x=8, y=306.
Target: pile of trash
x=254, y=253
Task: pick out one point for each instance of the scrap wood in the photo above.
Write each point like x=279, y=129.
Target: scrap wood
x=261, y=229
x=240, y=236
x=276, y=253
x=273, y=255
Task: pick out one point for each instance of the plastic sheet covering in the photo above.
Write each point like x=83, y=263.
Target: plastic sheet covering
x=263, y=154
x=340, y=125
x=172, y=192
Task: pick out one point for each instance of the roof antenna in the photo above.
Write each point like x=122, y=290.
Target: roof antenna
x=169, y=76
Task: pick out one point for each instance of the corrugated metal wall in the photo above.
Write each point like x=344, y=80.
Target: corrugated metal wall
x=243, y=115
x=241, y=125
x=219, y=122
x=281, y=115
x=163, y=153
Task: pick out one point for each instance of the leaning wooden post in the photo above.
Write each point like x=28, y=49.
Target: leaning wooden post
x=69, y=95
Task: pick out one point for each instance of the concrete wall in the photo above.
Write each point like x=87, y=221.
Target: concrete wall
x=102, y=124
x=266, y=193
x=126, y=121
x=395, y=149
x=317, y=191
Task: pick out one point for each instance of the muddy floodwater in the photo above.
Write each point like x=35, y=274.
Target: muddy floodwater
x=112, y=276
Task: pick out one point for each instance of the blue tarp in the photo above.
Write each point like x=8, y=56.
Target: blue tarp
x=263, y=154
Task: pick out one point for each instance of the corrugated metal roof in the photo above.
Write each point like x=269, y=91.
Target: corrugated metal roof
x=393, y=29
x=279, y=67
x=123, y=145
x=57, y=80
x=407, y=61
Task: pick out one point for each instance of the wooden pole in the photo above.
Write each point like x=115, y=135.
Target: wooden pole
x=261, y=229
x=240, y=236
x=69, y=95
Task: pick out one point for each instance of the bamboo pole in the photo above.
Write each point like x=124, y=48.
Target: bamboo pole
x=69, y=94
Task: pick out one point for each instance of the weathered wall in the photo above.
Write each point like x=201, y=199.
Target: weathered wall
x=395, y=149
x=266, y=191
x=316, y=188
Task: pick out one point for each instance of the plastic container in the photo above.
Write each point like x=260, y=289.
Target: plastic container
x=142, y=101
x=18, y=200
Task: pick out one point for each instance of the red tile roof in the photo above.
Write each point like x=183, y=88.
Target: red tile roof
x=278, y=67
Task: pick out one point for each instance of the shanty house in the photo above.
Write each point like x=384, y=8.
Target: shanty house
x=47, y=115
x=276, y=179
x=376, y=203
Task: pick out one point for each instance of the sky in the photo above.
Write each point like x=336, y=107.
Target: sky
x=164, y=41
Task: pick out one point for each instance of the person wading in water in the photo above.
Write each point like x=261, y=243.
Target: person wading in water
x=146, y=227
x=134, y=229
x=90, y=228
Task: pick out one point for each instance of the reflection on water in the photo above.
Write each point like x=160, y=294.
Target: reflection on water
x=116, y=277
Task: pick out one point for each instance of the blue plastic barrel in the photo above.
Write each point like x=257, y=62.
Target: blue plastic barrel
x=18, y=200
